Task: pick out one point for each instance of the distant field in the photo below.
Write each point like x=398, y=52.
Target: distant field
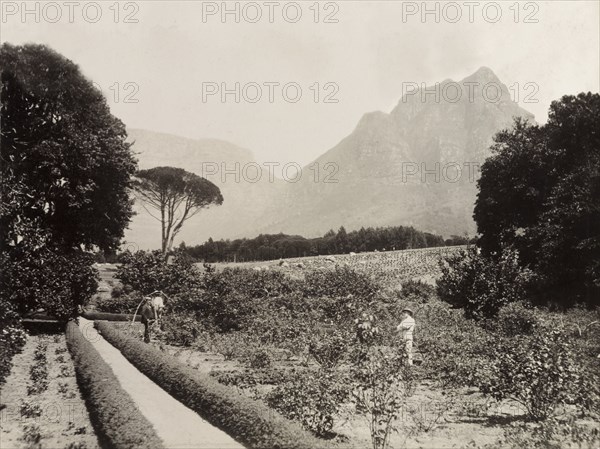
x=388, y=267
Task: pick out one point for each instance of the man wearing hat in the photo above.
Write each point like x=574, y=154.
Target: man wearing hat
x=406, y=329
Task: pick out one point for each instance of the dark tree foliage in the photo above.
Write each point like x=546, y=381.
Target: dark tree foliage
x=540, y=193
x=63, y=154
x=47, y=278
x=66, y=170
x=177, y=195
x=275, y=246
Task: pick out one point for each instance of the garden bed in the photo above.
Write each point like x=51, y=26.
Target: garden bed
x=430, y=418
x=41, y=401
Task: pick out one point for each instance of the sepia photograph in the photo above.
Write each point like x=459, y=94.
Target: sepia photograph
x=351, y=224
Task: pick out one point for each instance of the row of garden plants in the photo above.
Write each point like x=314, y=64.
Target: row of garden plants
x=41, y=402
x=267, y=320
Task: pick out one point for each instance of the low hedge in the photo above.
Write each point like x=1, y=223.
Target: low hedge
x=250, y=422
x=116, y=419
x=104, y=316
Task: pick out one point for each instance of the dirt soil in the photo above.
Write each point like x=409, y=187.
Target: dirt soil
x=63, y=418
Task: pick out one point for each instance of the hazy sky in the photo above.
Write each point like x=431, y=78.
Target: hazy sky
x=177, y=50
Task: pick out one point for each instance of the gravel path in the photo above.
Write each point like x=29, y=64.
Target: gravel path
x=177, y=425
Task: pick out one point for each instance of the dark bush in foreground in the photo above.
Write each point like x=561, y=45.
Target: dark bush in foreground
x=250, y=422
x=116, y=419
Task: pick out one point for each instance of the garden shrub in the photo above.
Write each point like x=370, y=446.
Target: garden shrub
x=281, y=321
x=125, y=303
x=329, y=348
x=228, y=312
x=582, y=328
x=539, y=373
x=312, y=398
x=236, y=345
x=481, y=285
x=456, y=351
x=249, y=283
x=381, y=381
x=248, y=421
x=230, y=299
x=260, y=358
x=29, y=409
x=148, y=271
x=181, y=329
x=416, y=291
x=340, y=282
x=117, y=421
x=516, y=319
x=190, y=301
x=587, y=397
x=117, y=291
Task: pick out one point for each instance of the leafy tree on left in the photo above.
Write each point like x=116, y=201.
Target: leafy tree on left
x=66, y=170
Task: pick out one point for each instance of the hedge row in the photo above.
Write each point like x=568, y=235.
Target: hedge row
x=93, y=316
x=116, y=419
x=250, y=422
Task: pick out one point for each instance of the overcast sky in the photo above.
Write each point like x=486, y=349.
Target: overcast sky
x=177, y=50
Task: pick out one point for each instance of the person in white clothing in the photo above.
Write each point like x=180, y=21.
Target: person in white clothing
x=406, y=329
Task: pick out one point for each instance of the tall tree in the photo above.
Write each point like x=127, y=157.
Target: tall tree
x=64, y=149
x=65, y=170
x=177, y=195
x=540, y=193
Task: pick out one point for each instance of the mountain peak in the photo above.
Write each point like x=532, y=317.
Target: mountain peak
x=483, y=74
